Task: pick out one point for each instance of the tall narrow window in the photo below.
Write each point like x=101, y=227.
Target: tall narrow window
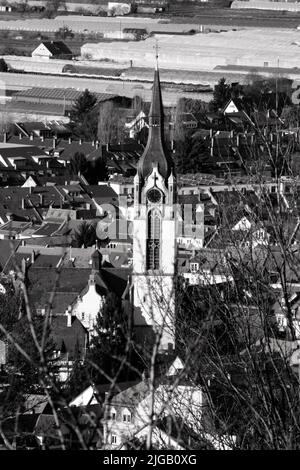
x=153, y=241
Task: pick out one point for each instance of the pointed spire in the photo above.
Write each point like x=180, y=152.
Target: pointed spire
x=154, y=152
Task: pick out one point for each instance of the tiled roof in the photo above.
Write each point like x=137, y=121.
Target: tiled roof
x=46, y=261
x=35, y=403
x=132, y=396
x=101, y=191
x=14, y=227
x=43, y=282
x=57, y=47
x=67, y=339
x=8, y=150
x=47, y=229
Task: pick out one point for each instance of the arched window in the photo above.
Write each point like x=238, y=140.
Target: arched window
x=153, y=240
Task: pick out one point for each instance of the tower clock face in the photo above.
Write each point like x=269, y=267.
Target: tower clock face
x=154, y=196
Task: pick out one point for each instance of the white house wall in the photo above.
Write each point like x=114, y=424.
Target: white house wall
x=87, y=307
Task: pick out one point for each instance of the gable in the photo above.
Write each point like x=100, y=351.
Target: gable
x=230, y=108
x=242, y=224
x=43, y=50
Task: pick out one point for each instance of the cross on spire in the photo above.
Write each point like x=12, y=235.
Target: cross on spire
x=154, y=177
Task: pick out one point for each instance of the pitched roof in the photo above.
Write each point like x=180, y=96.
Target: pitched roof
x=102, y=191
x=116, y=279
x=68, y=338
x=132, y=396
x=57, y=47
x=35, y=403
x=61, y=288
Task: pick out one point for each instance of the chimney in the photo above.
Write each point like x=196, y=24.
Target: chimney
x=31, y=136
x=23, y=203
x=20, y=136
x=5, y=137
x=70, y=140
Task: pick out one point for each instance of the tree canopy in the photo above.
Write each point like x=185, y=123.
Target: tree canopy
x=83, y=116
x=111, y=344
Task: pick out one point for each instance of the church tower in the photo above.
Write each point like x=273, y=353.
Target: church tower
x=154, y=237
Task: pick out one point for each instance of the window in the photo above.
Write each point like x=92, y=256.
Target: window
x=113, y=414
x=194, y=267
x=281, y=321
x=114, y=439
x=153, y=241
x=126, y=416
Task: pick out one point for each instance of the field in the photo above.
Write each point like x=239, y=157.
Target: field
x=216, y=13
x=215, y=16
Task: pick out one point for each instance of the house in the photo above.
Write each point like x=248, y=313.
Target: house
x=97, y=394
x=190, y=221
x=41, y=129
x=174, y=434
x=6, y=8
x=128, y=411
x=33, y=431
x=72, y=283
x=52, y=50
x=36, y=404
x=70, y=340
x=188, y=120
x=135, y=125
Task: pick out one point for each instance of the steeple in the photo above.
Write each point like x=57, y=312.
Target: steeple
x=154, y=152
